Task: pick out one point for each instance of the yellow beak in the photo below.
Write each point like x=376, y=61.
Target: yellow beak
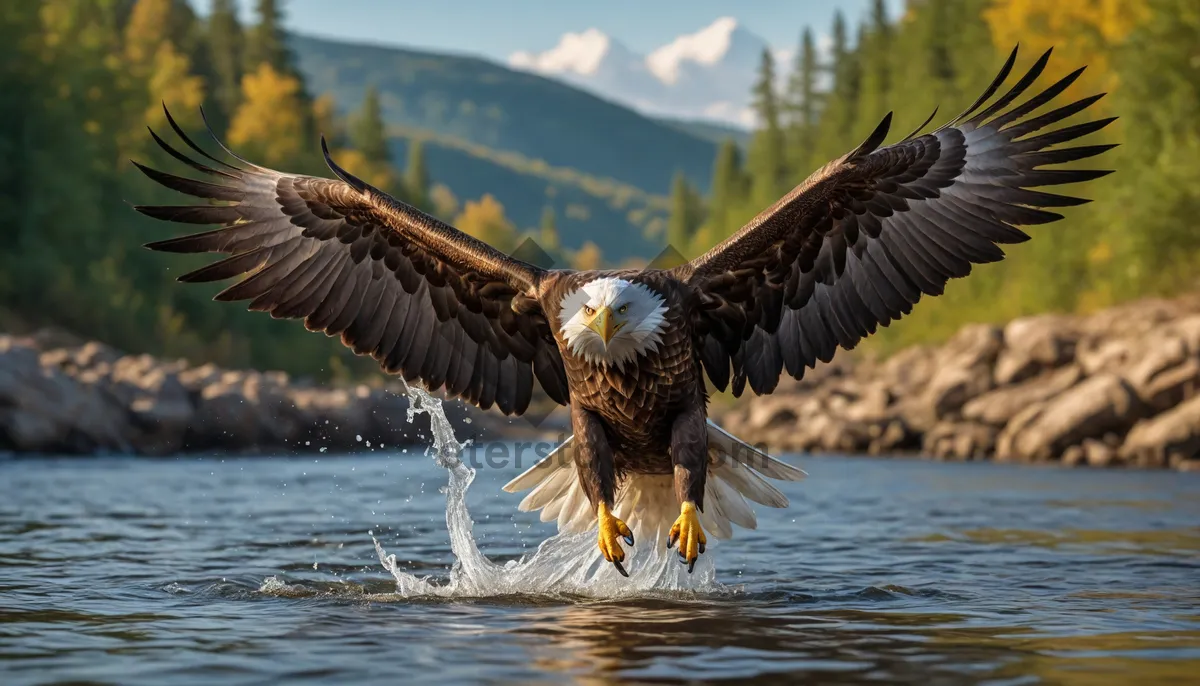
x=604, y=323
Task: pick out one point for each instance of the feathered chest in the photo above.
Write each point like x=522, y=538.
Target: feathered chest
x=654, y=382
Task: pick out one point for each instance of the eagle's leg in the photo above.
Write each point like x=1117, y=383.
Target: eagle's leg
x=594, y=464
x=689, y=455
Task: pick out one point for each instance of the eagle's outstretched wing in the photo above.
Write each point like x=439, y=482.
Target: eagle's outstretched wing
x=424, y=299
x=857, y=244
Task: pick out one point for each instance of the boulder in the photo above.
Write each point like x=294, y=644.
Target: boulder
x=1165, y=371
x=159, y=407
x=964, y=372
x=1101, y=404
x=1073, y=456
x=891, y=437
x=1099, y=454
x=999, y=406
x=1171, y=436
x=1035, y=345
x=960, y=441
x=42, y=409
x=907, y=373
x=1006, y=442
x=225, y=418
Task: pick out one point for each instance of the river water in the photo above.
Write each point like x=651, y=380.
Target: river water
x=280, y=570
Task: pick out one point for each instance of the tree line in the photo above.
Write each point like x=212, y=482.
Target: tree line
x=80, y=80
x=1141, y=236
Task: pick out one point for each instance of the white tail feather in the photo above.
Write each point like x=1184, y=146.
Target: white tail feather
x=646, y=502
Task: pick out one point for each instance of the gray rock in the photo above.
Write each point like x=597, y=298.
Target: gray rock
x=1172, y=434
x=1035, y=345
x=44, y=410
x=999, y=406
x=961, y=441
x=1094, y=407
x=964, y=371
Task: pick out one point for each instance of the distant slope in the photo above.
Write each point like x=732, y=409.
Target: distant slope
x=490, y=105
x=710, y=131
x=611, y=215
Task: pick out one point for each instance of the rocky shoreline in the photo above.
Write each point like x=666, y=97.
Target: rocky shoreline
x=91, y=399
x=1117, y=388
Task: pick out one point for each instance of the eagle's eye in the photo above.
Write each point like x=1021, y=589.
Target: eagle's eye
x=623, y=309
x=589, y=311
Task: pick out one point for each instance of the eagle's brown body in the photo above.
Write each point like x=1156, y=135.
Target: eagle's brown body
x=631, y=415
x=852, y=248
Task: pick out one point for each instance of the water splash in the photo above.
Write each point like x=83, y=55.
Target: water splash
x=564, y=564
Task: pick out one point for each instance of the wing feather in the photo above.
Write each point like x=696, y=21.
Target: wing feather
x=428, y=302
x=859, y=242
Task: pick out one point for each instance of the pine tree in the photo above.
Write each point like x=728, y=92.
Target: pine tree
x=875, y=49
x=802, y=104
x=265, y=42
x=767, y=163
x=686, y=214
x=836, y=127
x=1154, y=212
x=367, y=133
x=728, y=189
x=416, y=176
x=939, y=62
x=224, y=37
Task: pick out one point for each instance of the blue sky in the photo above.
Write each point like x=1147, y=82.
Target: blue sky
x=497, y=28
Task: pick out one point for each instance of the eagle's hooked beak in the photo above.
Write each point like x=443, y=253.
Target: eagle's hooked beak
x=605, y=323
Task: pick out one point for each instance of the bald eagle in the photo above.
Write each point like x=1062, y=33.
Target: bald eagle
x=850, y=249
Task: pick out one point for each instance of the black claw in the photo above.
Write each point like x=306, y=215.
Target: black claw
x=701, y=548
x=691, y=566
x=620, y=568
x=670, y=542
x=629, y=539
x=682, y=558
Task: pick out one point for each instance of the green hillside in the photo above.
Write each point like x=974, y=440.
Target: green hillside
x=489, y=105
x=614, y=216
x=715, y=132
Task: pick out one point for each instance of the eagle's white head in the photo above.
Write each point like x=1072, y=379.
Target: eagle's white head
x=611, y=321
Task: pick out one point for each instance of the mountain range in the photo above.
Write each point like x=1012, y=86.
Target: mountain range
x=530, y=141
x=491, y=105
x=705, y=75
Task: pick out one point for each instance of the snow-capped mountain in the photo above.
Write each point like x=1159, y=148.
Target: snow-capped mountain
x=703, y=75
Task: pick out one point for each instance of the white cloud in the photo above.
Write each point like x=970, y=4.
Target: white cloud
x=706, y=46
x=707, y=74
x=578, y=53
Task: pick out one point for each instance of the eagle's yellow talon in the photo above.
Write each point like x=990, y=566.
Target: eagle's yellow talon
x=612, y=529
x=686, y=530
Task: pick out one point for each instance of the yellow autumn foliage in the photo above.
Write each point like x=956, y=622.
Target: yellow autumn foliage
x=269, y=124
x=172, y=82
x=587, y=257
x=1080, y=31
x=485, y=220
x=145, y=32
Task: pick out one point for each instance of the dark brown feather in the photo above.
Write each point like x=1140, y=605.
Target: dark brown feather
x=864, y=237
x=391, y=281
